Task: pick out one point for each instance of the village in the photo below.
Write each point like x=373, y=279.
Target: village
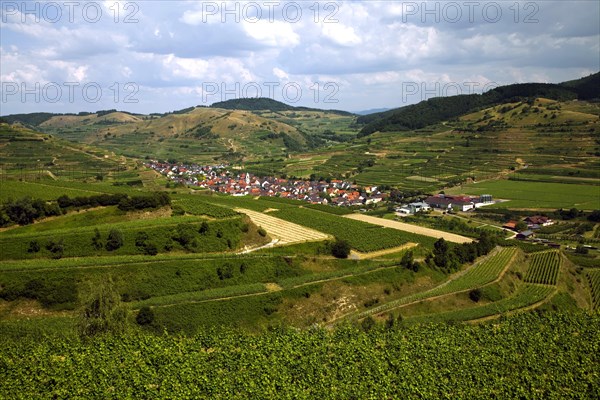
x=222, y=178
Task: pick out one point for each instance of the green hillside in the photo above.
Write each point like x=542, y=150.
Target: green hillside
x=439, y=109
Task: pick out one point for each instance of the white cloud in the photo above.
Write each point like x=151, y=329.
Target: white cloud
x=281, y=74
x=341, y=34
x=370, y=52
x=274, y=34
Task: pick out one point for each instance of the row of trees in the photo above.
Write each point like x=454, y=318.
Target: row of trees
x=27, y=210
x=449, y=257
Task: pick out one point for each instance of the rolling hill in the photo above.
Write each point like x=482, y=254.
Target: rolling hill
x=439, y=109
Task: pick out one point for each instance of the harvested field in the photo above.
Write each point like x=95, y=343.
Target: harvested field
x=402, y=226
x=286, y=232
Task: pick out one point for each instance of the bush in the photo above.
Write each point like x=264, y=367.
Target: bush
x=262, y=232
x=340, y=249
x=56, y=248
x=114, y=240
x=145, y=316
x=34, y=247
x=367, y=324
x=97, y=240
x=475, y=295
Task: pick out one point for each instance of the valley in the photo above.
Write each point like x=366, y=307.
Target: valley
x=265, y=220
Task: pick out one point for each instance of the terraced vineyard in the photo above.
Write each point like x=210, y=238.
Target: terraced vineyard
x=361, y=236
x=528, y=295
x=286, y=232
x=594, y=281
x=480, y=274
x=544, y=268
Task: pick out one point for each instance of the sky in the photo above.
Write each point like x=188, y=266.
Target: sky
x=159, y=56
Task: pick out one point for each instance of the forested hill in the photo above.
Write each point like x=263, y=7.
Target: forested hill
x=265, y=103
x=439, y=109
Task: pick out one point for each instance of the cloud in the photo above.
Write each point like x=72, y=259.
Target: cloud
x=369, y=49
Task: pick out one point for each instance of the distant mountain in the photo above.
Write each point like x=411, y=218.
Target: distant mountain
x=371, y=111
x=267, y=104
x=439, y=109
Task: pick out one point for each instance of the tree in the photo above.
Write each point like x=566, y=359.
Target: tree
x=97, y=240
x=440, y=253
x=114, y=240
x=408, y=261
x=520, y=226
x=581, y=250
x=103, y=311
x=340, y=249
x=594, y=216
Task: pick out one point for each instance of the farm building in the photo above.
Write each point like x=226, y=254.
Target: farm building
x=445, y=202
x=413, y=208
x=512, y=225
x=538, y=220
x=485, y=199
x=525, y=235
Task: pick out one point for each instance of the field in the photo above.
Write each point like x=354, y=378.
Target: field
x=419, y=230
x=361, y=236
x=544, y=268
x=286, y=232
x=536, y=194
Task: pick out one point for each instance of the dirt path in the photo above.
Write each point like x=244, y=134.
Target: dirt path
x=273, y=287
x=402, y=226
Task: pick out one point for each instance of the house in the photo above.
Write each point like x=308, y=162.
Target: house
x=512, y=225
x=445, y=202
x=538, y=220
x=525, y=235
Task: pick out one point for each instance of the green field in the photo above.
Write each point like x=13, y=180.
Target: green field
x=360, y=235
x=535, y=194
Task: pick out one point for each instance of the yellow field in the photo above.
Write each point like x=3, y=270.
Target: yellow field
x=286, y=232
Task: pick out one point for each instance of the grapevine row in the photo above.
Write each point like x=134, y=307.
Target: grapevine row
x=544, y=268
x=594, y=281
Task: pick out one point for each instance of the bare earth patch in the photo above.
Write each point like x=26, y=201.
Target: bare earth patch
x=402, y=226
x=273, y=287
